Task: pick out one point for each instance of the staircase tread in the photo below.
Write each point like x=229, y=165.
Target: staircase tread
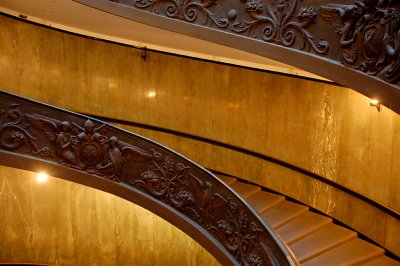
x=325, y=238
x=312, y=238
x=301, y=226
x=382, y=261
x=352, y=252
x=245, y=190
x=263, y=200
x=227, y=179
x=282, y=212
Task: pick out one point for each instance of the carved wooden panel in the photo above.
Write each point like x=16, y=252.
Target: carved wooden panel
x=363, y=36
x=86, y=145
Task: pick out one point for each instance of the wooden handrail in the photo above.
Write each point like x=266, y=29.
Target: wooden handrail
x=387, y=210
x=37, y=137
x=354, y=43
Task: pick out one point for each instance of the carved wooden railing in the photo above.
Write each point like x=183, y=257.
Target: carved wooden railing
x=355, y=43
x=39, y=137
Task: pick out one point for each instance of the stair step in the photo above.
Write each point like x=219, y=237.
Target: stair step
x=282, y=212
x=382, y=261
x=244, y=190
x=262, y=200
x=227, y=179
x=353, y=252
x=311, y=237
x=325, y=238
x=301, y=226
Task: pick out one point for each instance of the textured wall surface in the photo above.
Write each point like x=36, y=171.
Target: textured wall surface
x=59, y=222
x=359, y=215
x=329, y=130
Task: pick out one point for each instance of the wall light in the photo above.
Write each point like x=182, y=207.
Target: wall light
x=41, y=177
x=151, y=94
x=376, y=103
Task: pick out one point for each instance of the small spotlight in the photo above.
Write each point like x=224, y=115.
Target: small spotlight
x=376, y=103
x=41, y=177
x=151, y=94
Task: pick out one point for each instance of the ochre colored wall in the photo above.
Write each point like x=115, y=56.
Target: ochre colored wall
x=326, y=129
x=359, y=215
x=60, y=222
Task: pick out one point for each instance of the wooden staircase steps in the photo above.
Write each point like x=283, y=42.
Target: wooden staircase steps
x=262, y=200
x=313, y=238
x=326, y=238
x=281, y=213
x=353, y=252
x=382, y=261
x=227, y=179
x=301, y=226
x=245, y=190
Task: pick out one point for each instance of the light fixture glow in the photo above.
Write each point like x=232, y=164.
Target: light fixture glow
x=41, y=177
x=151, y=94
x=375, y=103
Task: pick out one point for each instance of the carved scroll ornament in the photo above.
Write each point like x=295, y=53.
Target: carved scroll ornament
x=327, y=37
x=98, y=149
x=368, y=30
x=282, y=22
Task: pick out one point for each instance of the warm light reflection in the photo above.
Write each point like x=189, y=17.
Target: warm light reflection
x=41, y=177
x=233, y=105
x=375, y=103
x=151, y=94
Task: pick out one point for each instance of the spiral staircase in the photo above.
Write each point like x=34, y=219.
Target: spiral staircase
x=314, y=239
x=282, y=231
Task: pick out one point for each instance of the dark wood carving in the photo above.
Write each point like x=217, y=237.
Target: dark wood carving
x=369, y=36
x=282, y=22
x=86, y=145
x=368, y=30
x=362, y=35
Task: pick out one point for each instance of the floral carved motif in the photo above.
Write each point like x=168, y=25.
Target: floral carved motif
x=167, y=182
x=187, y=10
x=277, y=24
x=174, y=185
x=14, y=133
x=365, y=35
x=239, y=235
x=129, y=160
x=274, y=22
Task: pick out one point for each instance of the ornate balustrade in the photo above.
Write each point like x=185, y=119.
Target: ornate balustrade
x=35, y=136
x=356, y=44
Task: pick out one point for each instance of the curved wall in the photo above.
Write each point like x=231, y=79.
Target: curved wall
x=60, y=222
x=363, y=217
x=328, y=130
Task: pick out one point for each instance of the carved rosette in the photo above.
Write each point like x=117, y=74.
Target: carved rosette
x=363, y=35
x=97, y=149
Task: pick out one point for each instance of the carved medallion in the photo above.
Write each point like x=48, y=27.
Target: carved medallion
x=368, y=36
x=167, y=178
x=90, y=154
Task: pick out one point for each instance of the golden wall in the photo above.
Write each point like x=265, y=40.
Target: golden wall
x=328, y=130
x=60, y=222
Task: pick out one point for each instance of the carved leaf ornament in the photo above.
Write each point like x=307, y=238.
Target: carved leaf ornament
x=82, y=144
x=362, y=35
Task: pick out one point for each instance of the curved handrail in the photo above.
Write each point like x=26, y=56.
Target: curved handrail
x=35, y=136
x=389, y=211
x=354, y=43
